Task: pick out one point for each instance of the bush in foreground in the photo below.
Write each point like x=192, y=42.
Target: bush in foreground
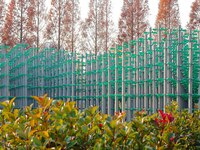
x=59, y=125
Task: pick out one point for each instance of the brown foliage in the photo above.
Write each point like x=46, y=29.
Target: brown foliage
x=97, y=29
x=63, y=19
x=168, y=14
x=7, y=37
x=2, y=18
x=133, y=21
x=194, y=22
x=19, y=24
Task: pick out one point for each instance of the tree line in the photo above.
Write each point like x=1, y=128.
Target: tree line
x=60, y=25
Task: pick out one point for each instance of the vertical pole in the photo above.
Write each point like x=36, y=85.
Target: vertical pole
x=129, y=84
x=109, y=85
x=137, y=74
x=64, y=77
x=123, y=79
x=116, y=79
x=145, y=74
x=150, y=88
x=82, y=82
x=169, y=71
x=154, y=82
x=103, y=103
x=91, y=81
x=199, y=73
x=73, y=74
x=97, y=80
x=165, y=74
x=178, y=71
x=159, y=100
x=190, y=75
x=87, y=81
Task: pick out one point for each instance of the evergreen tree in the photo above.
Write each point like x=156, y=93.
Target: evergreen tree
x=134, y=20
x=168, y=14
x=194, y=22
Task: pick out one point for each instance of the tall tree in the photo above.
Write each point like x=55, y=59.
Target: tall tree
x=7, y=37
x=107, y=33
x=30, y=25
x=134, y=20
x=97, y=29
x=2, y=18
x=36, y=21
x=36, y=13
x=18, y=23
x=71, y=23
x=63, y=19
x=168, y=14
x=194, y=22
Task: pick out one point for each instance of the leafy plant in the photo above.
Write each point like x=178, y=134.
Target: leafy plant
x=60, y=125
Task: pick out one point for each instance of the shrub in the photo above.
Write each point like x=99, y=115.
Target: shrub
x=60, y=125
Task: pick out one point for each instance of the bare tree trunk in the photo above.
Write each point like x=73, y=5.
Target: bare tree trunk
x=138, y=21
x=169, y=14
x=96, y=28
x=106, y=26
x=131, y=20
x=38, y=23
x=72, y=28
x=21, y=23
x=59, y=23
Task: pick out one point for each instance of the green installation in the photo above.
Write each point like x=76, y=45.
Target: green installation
x=143, y=74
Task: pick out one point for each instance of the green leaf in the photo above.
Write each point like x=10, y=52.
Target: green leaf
x=94, y=109
x=149, y=148
x=118, y=140
x=93, y=129
x=84, y=128
x=108, y=132
x=37, y=142
x=71, y=144
x=113, y=123
x=4, y=103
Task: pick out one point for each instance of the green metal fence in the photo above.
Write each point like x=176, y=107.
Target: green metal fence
x=146, y=73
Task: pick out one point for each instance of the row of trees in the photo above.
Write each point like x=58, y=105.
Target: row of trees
x=60, y=26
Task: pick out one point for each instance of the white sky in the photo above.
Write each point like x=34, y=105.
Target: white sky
x=184, y=8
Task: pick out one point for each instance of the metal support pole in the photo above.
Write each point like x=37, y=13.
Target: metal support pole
x=87, y=82
x=178, y=71
x=97, y=82
x=109, y=85
x=123, y=79
x=165, y=74
x=137, y=75
x=154, y=101
x=103, y=103
x=129, y=86
x=73, y=75
x=159, y=89
x=145, y=73
x=116, y=79
x=190, y=78
x=91, y=81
